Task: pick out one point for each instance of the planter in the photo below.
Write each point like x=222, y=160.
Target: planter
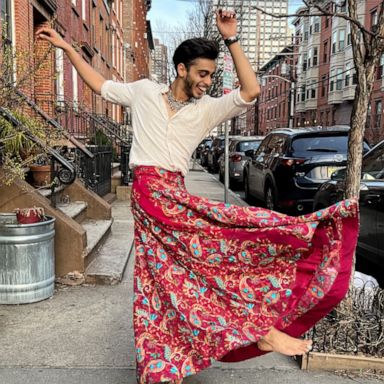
x=41, y=175
x=30, y=215
x=27, y=262
x=313, y=361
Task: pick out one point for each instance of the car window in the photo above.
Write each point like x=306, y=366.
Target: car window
x=276, y=145
x=310, y=145
x=263, y=146
x=373, y=164
x=247, y=145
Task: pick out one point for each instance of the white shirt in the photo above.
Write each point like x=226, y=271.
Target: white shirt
x=163, y=141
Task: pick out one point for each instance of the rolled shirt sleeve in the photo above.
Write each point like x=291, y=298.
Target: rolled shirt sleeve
x=120, y=93
x=225, y=107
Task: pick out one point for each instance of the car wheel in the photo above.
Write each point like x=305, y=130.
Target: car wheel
x=233, y=184
x=269, y=198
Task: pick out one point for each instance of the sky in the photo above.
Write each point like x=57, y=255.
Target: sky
x=173, y=13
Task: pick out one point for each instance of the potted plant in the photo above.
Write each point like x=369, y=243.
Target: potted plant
x=19, y=152
x=41, y=171
x=30, y=215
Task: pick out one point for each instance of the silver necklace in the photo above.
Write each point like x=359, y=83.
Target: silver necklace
x=176, y=105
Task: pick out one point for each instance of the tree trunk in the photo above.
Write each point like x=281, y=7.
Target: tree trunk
x=355, y=148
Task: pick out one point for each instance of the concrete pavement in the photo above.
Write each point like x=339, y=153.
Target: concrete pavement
x=84, y=334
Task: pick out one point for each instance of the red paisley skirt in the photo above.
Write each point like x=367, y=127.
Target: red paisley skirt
x=212, y=278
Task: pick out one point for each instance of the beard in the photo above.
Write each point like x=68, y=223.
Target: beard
x=188, y=87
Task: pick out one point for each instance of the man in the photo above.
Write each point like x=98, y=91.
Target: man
x=214, y=281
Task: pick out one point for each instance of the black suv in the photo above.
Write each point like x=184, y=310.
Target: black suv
x=290, y=165
x=370, y=247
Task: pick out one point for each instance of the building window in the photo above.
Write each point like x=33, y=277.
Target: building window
x=341, y=39
x=380, y=68
x=6, y=21
x=349, y=38
x=59, y=75
x=347, y=74
x=83, y=10
x=379, y=111
x=339, y=79
x=325, y=53
x=75, y=88
x=373, y=18
x=313, y=89
x=334, y=41
x=323, y=85
x=354, y=79
x=368, y=120
x=6, y=40
x=332, y=80
x=314, y=60
x=317, y=24
x=343, y=6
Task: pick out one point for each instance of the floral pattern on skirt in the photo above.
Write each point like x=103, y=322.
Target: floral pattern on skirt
x=212, y=278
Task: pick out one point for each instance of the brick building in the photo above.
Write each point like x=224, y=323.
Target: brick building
x=137, y=39
x=326, y=79
x=114, y=36
x=274, y=103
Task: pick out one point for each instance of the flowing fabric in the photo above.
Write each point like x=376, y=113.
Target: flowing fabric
x=211, y=278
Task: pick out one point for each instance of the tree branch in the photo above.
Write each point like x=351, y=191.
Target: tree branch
x=322, y=12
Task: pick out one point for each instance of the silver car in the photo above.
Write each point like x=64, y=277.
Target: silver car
x=237, y=158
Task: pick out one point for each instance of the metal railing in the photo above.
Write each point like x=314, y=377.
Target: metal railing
x=63, y=170
x=102, y=137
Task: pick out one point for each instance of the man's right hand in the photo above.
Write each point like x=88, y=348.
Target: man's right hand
x=50, y=35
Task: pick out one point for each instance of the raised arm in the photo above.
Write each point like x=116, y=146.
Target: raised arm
x=227, y=26
x=91, y=77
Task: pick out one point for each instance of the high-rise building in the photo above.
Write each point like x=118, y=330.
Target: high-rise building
x=159, y=68
x=262, y=35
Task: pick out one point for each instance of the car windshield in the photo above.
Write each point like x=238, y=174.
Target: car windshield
x=308, y=145
x=373, y=164
x=247, y=145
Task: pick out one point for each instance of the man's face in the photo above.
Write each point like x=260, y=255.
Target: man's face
x=199, y=77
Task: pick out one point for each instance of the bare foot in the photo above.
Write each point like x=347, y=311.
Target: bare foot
x=277, y=341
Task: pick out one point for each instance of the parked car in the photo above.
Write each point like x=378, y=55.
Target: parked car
x=204, y=143
x=237, y=158
x=214, y=153
x=204, y=153
x=290, y=165
x=370, y=247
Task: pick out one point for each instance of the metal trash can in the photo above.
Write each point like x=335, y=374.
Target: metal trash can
x=27, y=260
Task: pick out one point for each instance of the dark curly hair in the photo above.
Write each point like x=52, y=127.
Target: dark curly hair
x=192, y=49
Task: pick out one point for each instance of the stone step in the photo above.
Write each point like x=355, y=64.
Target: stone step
x=47, y=192
x=110, y=261
x=115, y=167
x=75, y=209
x=97, y=231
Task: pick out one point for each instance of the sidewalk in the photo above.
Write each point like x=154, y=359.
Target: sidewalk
x=84, y=334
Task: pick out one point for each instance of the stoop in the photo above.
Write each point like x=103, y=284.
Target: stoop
x=111, y=259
